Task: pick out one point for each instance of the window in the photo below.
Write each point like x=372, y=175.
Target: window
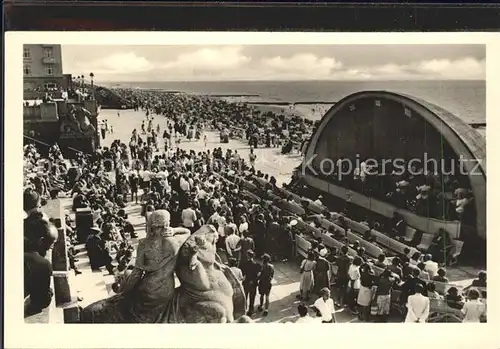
x=29, y=86
x=47, y=52
x=50, y=86
x=26, y=53
x=49, y=70
x=27, y=69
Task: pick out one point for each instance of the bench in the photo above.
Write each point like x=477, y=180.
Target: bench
x=392, y=244
x=251, y=195
x=329, y=241
x=295, y=197
x=261, y=181
x=270, y=194
x=303, y=245
x=370, y=248
x=440, y=311
x=384, y=240
x=443, y=287
x=291, y=207
x=248, y=185
x=308, y=228
x=326, y=224
x=315, y=207
x=356, y=226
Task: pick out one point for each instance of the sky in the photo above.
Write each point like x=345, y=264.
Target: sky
x=276, y=62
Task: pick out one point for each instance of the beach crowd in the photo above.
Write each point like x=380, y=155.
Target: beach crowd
x=256, y=228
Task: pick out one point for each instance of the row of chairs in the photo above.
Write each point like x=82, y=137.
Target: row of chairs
x=303, y=244
x=399, y=247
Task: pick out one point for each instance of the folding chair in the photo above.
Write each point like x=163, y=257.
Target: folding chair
x=457, y=250
x=426, y=242
x=410, y=234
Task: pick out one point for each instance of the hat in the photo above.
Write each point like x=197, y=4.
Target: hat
x=31, y=199
x=325, y=290
x=95, y=228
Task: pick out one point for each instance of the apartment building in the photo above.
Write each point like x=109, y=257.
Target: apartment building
x=42, y=68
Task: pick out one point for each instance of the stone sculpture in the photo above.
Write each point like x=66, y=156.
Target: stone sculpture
x=208, y=292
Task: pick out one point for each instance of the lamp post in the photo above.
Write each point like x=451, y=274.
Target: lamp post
x=92, y=84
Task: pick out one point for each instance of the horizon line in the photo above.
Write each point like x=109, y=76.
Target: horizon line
x=304, y=80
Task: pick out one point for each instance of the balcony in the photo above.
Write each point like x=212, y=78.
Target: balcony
x=48, y=60
x=44, y=111
x=32, y=112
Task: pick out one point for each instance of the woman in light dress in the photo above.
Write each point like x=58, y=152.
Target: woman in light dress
x=475, y=309
x=365, y=294
x=243, y=225
x=307, y=277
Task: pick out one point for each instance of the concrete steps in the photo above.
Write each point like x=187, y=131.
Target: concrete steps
x=92, y=285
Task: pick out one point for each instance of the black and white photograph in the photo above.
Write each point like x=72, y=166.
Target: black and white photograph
x=170, y=181
x=254, y=183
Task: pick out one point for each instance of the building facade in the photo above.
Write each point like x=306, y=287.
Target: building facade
x=42, y=68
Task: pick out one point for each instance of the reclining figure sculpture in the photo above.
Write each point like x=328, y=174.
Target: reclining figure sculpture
x=208, y=292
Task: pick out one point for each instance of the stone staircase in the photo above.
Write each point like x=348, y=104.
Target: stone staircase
x=90, y=285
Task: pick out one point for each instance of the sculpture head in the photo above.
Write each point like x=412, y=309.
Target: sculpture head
x=158, y=224
x=199, y=248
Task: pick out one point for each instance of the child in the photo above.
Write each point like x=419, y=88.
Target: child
x=265, y=278
x=431, y=291
x=233, y=262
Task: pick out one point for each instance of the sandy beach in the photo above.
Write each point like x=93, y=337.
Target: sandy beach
x=311, y=111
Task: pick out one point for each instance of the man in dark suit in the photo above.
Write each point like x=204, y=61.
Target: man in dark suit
x=251, y=271
x=409, y=287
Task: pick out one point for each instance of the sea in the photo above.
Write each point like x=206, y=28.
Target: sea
x=466, y=99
